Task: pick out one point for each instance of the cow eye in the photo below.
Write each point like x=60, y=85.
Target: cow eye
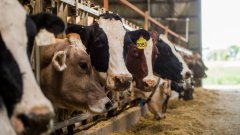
x=83, y=65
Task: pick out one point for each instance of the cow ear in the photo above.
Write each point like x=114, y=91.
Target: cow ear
x=59, y=61
x=50, y=22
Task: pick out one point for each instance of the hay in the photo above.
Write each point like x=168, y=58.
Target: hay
x=183, y=117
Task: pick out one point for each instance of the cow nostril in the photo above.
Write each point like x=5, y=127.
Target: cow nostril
x=25, y=120
x=122, y=83
x=146, y=84
x=108, y=105
x=117, y=80
x=188, y=74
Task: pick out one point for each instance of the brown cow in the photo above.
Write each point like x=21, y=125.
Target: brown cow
x=68, y=79
x=140, y=61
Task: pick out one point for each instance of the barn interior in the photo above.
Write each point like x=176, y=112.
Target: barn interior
x=203, y=101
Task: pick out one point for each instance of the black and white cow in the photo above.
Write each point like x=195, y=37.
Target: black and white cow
x=170, y=65
x=30, y=111
x=104, y=41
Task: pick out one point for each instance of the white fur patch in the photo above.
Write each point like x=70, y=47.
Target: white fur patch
x=148, y=55
x=179, y=57
x=44, y=38
x=115, y=34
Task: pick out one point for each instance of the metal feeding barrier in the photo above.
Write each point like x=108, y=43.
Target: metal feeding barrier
x=85, y=9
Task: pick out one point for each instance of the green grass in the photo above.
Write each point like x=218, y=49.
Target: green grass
x=223, y=75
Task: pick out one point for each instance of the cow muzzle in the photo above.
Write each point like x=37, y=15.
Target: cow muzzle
x=38, y=121
x=101, y=106
x=122, y=82
x=149, y=85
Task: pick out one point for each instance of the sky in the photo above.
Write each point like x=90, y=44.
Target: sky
x=220, y=23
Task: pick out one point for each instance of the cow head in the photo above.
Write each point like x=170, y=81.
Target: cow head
x=104, y=42
x=34, y=113
x=157, y=100
x=169, y=63
x=68, y=79
x=196, y=64
x=185, y=88
x=140, y=60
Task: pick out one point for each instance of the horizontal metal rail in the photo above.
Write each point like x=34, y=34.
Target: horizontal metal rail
x=117, y=108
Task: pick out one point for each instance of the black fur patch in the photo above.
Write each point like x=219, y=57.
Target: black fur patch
x=10, y=79
x=167, y=65
x=31, y=33
x=110, y=16
x=50, y=22
x=96, y=42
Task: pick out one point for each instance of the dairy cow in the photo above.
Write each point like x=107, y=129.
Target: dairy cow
x=157, y=98
x=104, y=41
x=174, y=67
x=140, y=60
x=17, y=32
x=68, y=78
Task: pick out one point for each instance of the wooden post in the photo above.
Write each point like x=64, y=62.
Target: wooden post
x=146, y=23
x=105, y=4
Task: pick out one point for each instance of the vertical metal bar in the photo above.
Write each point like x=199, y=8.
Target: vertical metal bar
x=187, y=29
x=37, y=9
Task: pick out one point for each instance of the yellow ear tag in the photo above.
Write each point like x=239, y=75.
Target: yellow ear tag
x=141, y=43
